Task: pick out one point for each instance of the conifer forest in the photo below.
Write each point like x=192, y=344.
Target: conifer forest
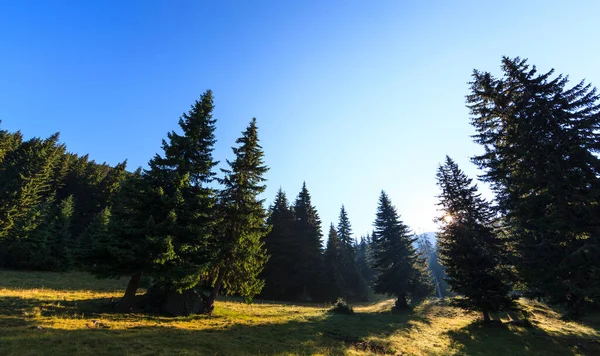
x=180, y=235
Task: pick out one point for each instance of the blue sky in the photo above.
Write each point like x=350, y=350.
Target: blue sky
x=351, y=96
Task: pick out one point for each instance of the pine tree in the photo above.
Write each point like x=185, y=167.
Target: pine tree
x=308, y=235
x=400, y=270
x=541, y=140
x=280, y=247
x=239, y=250
x=471, y=251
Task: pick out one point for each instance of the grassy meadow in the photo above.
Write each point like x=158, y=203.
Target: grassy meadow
x=44, y=313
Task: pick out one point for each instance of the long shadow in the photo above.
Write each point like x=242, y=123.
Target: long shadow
x=221, y=335
x=303, y=335
x=480, y=339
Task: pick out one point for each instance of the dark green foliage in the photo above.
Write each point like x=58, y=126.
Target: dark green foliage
x=353, y=286
x=332, y=266
x=184, y=215
x=42, y=208
x=162, y=219
x=8, y=142
x=27, y=188
x=541, y=141
x=364, y=257
x=341, y=307
x=281, y=249
x=307, y=230
x=57, y=231
x=238, y=243
x=400, y=270
x=471, y=251
x=92, y=186
x=125, y=239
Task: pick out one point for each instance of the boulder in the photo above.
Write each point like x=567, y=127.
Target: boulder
x=175, y=303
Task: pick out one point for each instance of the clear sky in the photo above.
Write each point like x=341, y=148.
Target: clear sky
x=351, y=96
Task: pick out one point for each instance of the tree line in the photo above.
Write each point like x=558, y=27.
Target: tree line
x=199, y=233
x=189, y=229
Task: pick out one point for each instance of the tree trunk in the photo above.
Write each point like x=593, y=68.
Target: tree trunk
x=210, y=303
x=401, y=302
x=486, y=316
x=126, y=302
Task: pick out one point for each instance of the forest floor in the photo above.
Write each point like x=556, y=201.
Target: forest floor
x=67, y=314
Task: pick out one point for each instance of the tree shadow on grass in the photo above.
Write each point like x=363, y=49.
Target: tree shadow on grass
x=480, y=339
x=304, y=335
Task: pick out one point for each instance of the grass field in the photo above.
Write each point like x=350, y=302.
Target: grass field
x=67, y=314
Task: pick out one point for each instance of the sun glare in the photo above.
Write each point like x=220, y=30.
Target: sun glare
x=448, y=219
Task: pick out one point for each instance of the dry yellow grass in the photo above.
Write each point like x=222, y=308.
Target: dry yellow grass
x=59, y=314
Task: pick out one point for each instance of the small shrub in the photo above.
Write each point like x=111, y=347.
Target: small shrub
x=341, y=307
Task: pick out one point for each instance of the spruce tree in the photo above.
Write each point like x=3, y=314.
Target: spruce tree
x=307, y=276
x=238, y=245
x=352, y=284
x=280, y=247
x=471, y=251
x=58, y=230
x=364, y=256
x=400, y=270
x=188, y=204
x=332, y=266
x=27, y=189
x=162, y=220
x=9, y=142
x=127, y=239
x=541, y=142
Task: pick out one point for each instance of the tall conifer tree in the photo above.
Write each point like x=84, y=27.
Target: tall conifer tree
x=163, y=219
x=400, y=270
x=281, y=250
x=353, y=285
x=471, y=251
x=541, y=141
x=332, y=266
x=238, y=244
x=309, y=246
x=27, y=190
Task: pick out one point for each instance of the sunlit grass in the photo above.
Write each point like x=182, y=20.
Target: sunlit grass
x=54, y=314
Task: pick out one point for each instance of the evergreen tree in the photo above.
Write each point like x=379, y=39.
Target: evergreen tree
x=187, y=212
x=127, y=239
x=332, y=266
x=280, y=247
x=61, y=244
x=239, y=251
x=309, y=246
x=400, y=270
x=364, y=257
x=541, y=141
x=27, y=189
x=162, y=220
x=471, y=251
x=352, y=284
x=9, y=142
